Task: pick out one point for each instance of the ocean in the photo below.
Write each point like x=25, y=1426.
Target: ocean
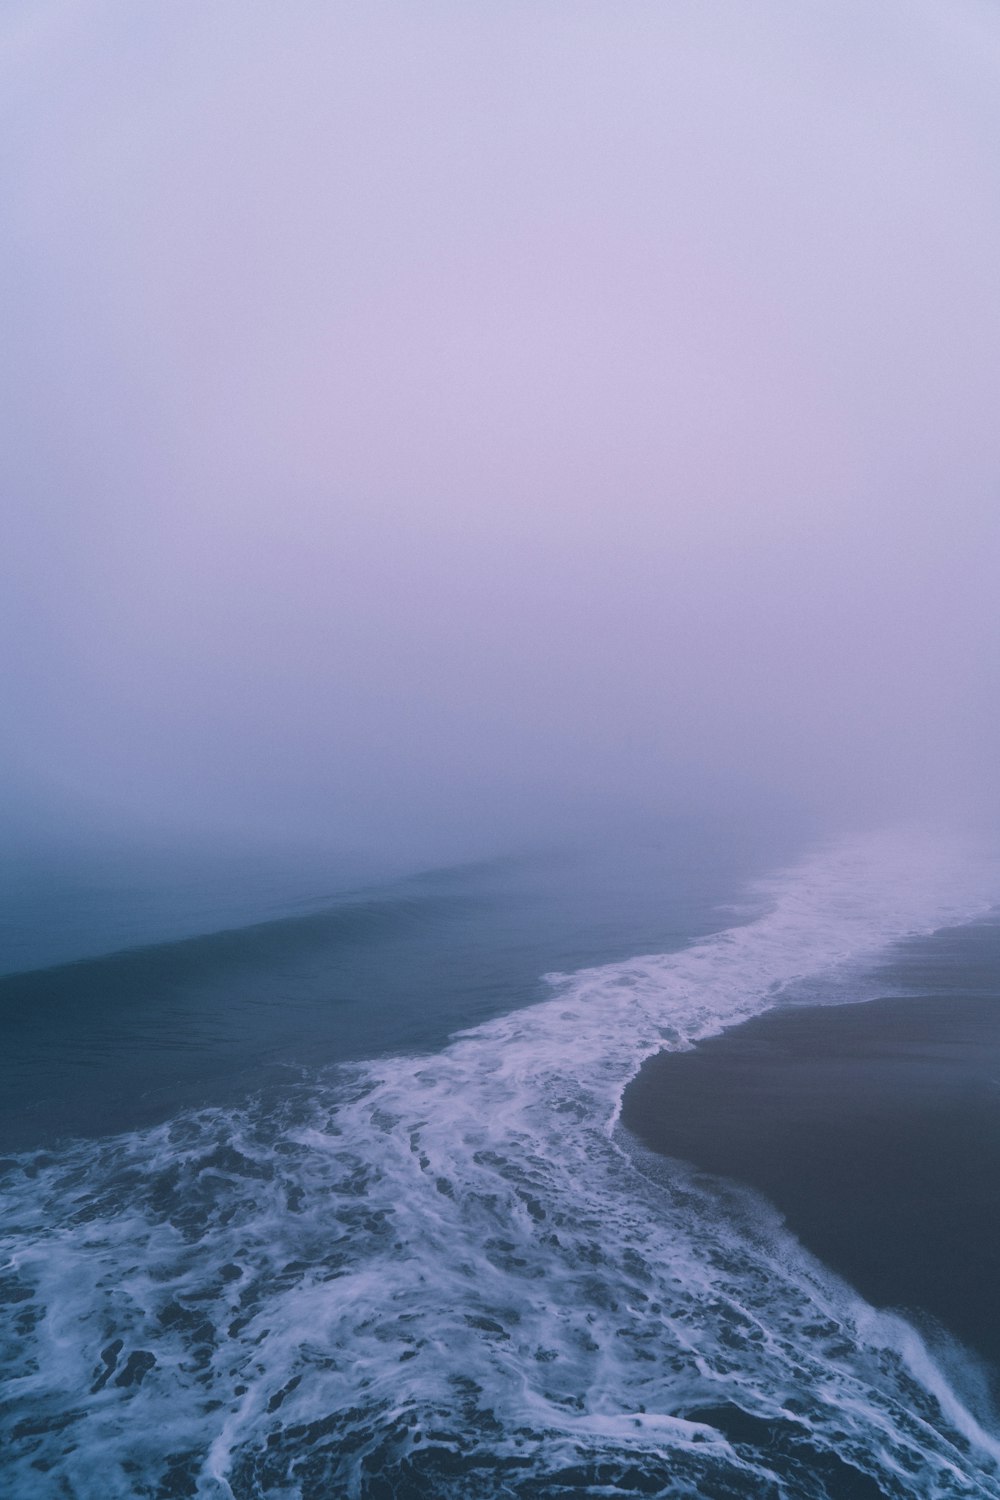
x=342, y=1203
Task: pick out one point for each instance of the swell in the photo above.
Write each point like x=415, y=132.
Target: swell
x=444, y=1275
x=354, y=917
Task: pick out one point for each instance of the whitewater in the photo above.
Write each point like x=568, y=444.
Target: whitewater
x=454, y=1274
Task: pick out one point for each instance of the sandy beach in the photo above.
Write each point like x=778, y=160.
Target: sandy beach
x=874, y=1128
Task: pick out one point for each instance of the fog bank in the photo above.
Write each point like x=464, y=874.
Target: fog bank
x=426, y=426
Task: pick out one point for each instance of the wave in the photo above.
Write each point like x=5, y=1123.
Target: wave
x=350, y=917
x=452, y=1275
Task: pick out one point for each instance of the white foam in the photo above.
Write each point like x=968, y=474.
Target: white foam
x=458, y=1246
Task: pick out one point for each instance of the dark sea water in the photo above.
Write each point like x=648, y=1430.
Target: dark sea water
x=82, y=897
x=340, y=1204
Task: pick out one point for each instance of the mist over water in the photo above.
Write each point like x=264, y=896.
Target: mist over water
x=422, y=428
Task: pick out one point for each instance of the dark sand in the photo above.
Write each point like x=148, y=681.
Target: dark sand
x=874, y=1128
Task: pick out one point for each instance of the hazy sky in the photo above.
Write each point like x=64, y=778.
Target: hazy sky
x=423, y=421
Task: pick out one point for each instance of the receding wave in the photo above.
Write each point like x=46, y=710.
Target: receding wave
x=450, y=1275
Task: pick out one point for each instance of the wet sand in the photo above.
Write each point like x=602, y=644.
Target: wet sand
x=874, y=1128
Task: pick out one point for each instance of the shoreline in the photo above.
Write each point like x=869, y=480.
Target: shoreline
x=872, y=1127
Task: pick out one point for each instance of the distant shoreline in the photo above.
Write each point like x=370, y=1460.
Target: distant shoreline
x=874, y=1128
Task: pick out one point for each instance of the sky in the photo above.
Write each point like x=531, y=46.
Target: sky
x=425, y=425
